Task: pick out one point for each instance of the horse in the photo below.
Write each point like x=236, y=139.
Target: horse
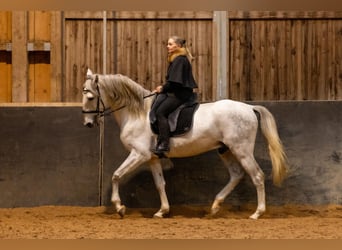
x=228, y=126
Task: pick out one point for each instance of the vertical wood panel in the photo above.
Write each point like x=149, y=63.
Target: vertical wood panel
x=83, y=50
x=71, y=59
x=5, y=76
x=40, y=25
x=294, y=78
x=5, y=26
x=240, y=51
x=220, y=54
x=331, y=82
x=5, y=57
x=57, y=41
x=19, y=57
x=234, y=47
x=256, y=73
x=283, y=57
x=337, y=41
x=39, y=62
x=300, y=60
x=322, y=61
x=309, y=63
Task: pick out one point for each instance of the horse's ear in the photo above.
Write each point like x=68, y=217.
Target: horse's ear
x=89, y=73
x=96, y=79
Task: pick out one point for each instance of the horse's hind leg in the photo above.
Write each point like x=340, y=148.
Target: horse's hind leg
x=244, y=154
x=236, y=173
x=159, y=181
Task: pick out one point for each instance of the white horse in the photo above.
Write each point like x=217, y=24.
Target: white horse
x=226, y=125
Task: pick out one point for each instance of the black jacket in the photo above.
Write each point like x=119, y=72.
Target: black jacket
x=179, y=78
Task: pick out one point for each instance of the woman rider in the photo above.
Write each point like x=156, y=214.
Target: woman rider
x=177, y=90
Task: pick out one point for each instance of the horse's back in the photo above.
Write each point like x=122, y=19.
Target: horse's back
x=227, y=107
x=227, y=116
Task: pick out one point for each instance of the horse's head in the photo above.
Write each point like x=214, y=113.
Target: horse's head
x=91, y=100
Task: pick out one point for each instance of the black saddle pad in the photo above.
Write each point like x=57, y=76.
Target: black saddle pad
x=180, y=120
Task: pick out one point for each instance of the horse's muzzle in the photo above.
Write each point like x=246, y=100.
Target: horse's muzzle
x=90, y=121
x=89, y=124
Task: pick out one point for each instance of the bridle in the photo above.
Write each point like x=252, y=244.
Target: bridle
x=99, y=100
x=105, y=111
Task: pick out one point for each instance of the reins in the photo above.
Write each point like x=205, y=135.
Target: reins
x=104, y=113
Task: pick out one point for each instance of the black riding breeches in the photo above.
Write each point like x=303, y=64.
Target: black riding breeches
x=166, y=107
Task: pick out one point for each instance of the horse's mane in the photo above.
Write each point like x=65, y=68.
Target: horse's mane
x=123, y=91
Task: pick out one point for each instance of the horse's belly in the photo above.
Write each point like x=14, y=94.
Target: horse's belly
x=179, y=150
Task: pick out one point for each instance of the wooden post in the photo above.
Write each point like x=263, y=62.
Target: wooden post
x=104, y=43
x=220, y=55
x=56, y=74
x=38, y=52
x=19, y=57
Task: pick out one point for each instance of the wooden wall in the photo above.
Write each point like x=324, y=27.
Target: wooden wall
x=271, y=55
x=285, y=56
x=136, y=45
x=30, y=56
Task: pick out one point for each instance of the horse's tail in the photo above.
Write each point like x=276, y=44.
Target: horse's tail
x=276, y=150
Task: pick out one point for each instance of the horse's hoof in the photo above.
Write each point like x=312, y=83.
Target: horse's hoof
x=254, y=216
x=122, y=211
x=214, y=210
x=161, y=214
x=257, y=214
x=158, y=216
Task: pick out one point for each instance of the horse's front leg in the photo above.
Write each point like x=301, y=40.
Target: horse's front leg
x=134, y=160
x=159, y=181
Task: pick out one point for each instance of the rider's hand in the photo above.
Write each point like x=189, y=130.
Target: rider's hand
x=158, y=89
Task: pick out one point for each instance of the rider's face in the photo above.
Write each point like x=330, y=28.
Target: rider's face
x=172, y=46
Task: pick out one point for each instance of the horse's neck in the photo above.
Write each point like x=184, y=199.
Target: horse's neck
x=124, y=117
x=121, y=118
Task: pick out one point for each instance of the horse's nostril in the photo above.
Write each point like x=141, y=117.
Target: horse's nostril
x=89, y=124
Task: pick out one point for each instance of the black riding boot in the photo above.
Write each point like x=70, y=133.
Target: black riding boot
x=163, y=140
x=161, y=147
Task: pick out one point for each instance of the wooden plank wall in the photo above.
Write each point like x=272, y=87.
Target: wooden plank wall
x=285, y=56
x=272, y=55
x=26, y=41
x=83, y=50
x=136, y=44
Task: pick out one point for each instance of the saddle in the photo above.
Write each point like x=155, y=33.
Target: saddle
x=180, y=120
